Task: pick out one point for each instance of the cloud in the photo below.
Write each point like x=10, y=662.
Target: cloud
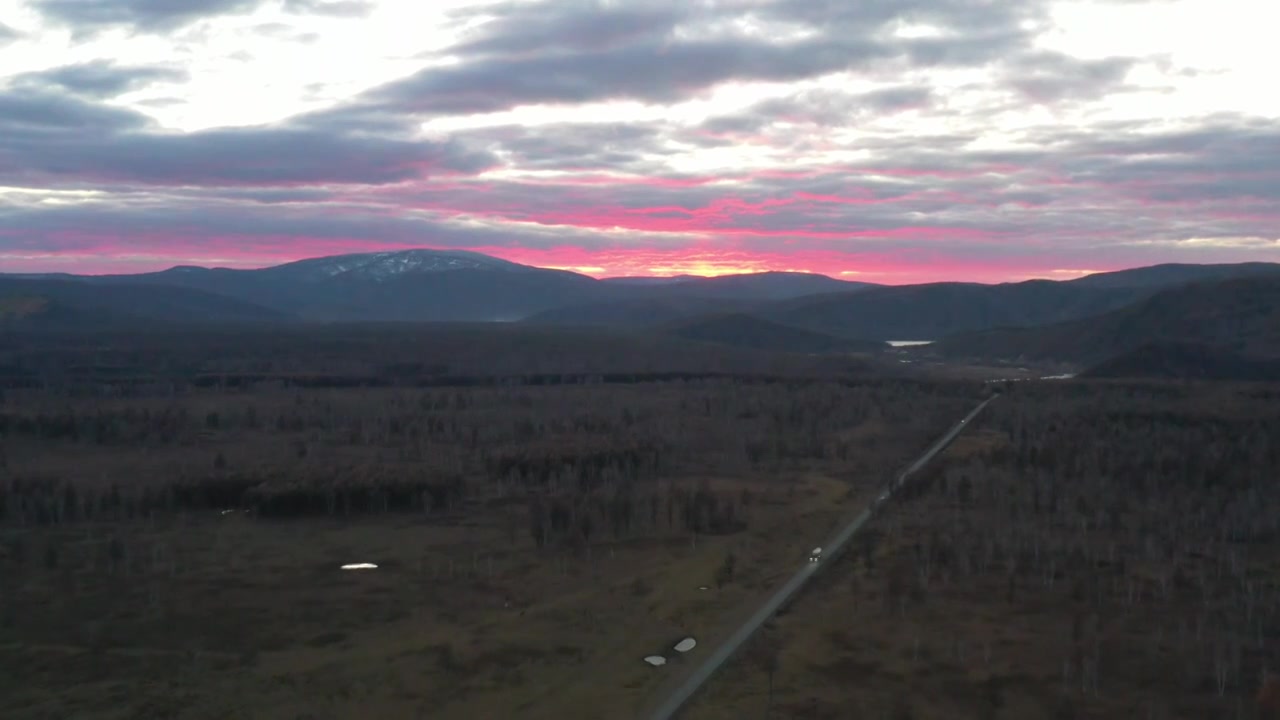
x=1047, y=77
x=819, y=107
x=651, y=74
x=617, y=147
x=8, y=34
x=31, y=115
x=51, y=139
x=522, y=28
x=148, y=15
x=100, y=78
x=962, y=138
x=573, y=52
x=336, y=8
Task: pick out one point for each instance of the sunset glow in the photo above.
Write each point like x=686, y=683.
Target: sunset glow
x=962, y=140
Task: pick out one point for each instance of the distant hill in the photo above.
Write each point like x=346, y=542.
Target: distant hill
x=57, y=305
x=1240, y=316
x=927, y=312
x=1178, y=360
x=745, y=331
x=643, y=280
x=427, y=285
x=639, y=312
x=1162, y=276
x=650, y=301
x=766, y=285
x=410, y=285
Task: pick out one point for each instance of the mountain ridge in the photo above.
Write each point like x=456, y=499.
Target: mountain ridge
x=57, y=304
x=427, y=285
x=1238, y=316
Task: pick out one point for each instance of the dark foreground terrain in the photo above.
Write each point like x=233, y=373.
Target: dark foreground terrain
x=1088, y=550
x=546, y=509
x=173, y=517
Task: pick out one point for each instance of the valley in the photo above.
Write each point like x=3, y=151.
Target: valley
x=1050, y=326
x=533, y=507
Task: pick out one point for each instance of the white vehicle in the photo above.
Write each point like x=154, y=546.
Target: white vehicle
x=815, y=555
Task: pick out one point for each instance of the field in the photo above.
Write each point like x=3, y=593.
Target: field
x=1087, y=550
x=171, y=549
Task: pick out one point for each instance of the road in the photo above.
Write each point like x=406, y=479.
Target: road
x=831, y=549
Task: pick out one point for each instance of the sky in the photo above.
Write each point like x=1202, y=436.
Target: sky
x=890, y=141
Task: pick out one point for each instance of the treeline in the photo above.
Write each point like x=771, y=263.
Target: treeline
x=373, y=355
x=579, y=462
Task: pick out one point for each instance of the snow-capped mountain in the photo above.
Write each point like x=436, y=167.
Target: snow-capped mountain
x=449, y=285
x=380, y=266
x=401, y=285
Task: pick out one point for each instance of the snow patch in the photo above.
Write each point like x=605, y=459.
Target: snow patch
x=382, y=266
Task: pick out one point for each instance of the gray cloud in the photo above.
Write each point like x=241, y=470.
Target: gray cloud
x=8, y=34
x=337, y=8
x=156, y=228
x=649, y=73
x=521, y=28
x=575, y=146
x=575, y=51
x=1229, y=159
x=823, y=108
x=37, y=114
x=52, y=138
x=149, y=15
x=1047, y=77
x=962, y=16
x=99, y=78
x=359, y=174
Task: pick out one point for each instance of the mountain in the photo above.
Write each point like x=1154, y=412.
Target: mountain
x=406, y=285
x=648, y=281
x=908, y=312
x=1180, y=360
x=930, y=311
x=55, y=305
x=762, y=285
x=382, y=266
x=669, y=299
x=746, y=331
x=766, y=285
x=459, y=286
x=1162, y=276
x=1239, y=316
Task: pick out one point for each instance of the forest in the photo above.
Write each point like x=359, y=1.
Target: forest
x=172, y=546
x=193, y=533
x=1087, y=550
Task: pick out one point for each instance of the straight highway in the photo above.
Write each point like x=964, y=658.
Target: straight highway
x=677, y=699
